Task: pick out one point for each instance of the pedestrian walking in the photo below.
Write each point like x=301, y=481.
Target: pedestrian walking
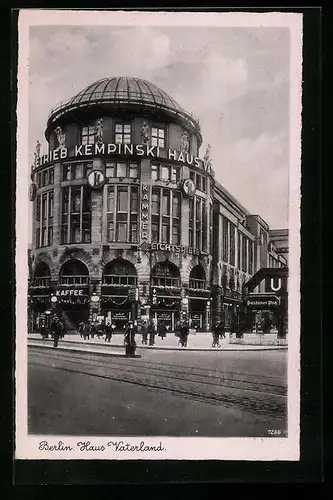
x=221, y=329
x=43, y=330
x=216, y=335
x=129, y=340
x=86, y=331
x=144, y=333
x=55, y=329
x=93, y=330
x=162, y=329
x=108, y=332
x=183, y=334
x=81, y=329
x=151, y=333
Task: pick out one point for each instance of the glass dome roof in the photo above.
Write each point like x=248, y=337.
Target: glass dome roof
x=124, y=89
x=127, y=91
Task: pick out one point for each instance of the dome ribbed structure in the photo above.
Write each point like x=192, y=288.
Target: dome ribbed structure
x=126, y=92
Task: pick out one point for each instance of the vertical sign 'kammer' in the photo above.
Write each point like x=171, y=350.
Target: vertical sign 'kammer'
x=144, y=212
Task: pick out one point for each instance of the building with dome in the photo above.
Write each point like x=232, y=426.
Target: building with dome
x=128, y=218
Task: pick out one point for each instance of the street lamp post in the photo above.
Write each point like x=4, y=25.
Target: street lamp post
x=208, y=315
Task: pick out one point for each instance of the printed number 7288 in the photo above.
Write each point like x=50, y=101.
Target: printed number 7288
x=274, y=432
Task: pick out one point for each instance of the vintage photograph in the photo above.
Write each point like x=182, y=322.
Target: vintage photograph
x=157, y=238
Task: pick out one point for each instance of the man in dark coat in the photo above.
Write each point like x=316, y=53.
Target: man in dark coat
x=55, y=329
x=152, y=333
x=183, y=334
x=130, y=344
x=108, y=332
x=162, y=329
x=144, y=333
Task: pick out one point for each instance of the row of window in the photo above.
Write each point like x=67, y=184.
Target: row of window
x=159, y=172
x=123, y=134
x=199, y=181
x=165, y=218
x=231, y=236
x=200, y=216
x=45, y=177
x=44, y=218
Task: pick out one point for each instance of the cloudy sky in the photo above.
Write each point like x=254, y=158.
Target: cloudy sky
x=234, y=80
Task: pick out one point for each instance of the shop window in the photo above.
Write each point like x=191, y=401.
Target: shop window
x=123, y=133
x=158, y=137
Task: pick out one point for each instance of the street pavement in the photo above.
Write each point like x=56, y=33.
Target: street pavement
x=161, y=393
x=198, y=341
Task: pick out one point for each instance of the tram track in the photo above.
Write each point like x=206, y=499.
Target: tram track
x=252, y=395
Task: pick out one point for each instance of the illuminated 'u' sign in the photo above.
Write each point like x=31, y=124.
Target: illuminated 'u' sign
x=273, y=287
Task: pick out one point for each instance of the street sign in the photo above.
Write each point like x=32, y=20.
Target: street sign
x=263, y=302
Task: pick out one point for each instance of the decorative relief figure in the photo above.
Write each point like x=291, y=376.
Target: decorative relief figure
x=185, y=142
x=145, y=133
x=207, y=158
x=99, y=131
x=36, y=153
x=61, y=136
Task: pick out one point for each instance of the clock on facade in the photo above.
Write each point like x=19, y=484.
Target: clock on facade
x=189, y=187
x=96, y=179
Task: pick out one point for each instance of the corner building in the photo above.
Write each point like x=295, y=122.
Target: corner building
x=128, y=219
x=122, y=209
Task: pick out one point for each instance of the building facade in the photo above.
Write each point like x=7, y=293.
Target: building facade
x=128, y=219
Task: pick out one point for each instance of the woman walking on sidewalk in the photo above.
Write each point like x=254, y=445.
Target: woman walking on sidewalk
x=216, y=335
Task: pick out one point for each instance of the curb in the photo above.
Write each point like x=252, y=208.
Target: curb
x=72, y=349
x=192, y=349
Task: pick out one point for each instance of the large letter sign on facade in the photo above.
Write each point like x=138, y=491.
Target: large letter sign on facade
x=144, y=212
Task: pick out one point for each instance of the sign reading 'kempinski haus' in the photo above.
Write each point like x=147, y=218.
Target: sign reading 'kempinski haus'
x=106, y=149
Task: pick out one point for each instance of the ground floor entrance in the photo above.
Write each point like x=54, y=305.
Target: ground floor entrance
x=169, y=318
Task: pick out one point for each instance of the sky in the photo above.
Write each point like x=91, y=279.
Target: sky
x=234, y=80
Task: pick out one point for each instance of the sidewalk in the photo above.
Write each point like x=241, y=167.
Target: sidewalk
x=196, y=342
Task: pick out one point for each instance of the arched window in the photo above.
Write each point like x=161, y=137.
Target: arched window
x=165, y=274
x=198, y=278
x=42, y=275
x=74, y=272
x=119, y=272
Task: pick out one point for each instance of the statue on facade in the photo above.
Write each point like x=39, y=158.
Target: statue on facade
x=208, y=159
x=61, y=136
x=38, y=149
x=145, y=133
x=99, y=131
x=185, y=142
